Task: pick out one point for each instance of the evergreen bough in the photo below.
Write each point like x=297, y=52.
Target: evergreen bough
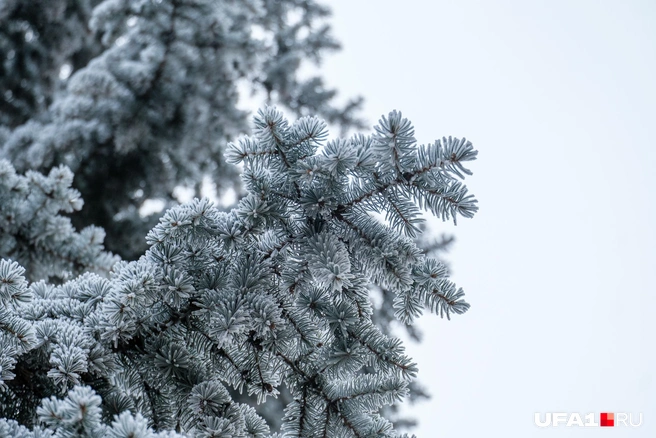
x=271, y=296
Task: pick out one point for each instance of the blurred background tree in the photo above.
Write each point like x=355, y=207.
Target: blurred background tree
x=138, y=98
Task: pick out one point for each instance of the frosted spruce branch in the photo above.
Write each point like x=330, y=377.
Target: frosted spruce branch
x=272, y=294
x=33, y=232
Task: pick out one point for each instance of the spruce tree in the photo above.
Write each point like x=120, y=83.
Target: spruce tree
x=279, y=286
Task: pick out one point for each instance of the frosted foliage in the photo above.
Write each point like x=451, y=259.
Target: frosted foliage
x=34, y=233
x=38, y=38
x=270, y=298
x=152, y=94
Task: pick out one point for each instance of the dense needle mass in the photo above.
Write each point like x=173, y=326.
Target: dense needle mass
x=275, y=315
x=275, y=291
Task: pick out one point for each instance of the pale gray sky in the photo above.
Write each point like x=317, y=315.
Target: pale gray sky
x=559, y=264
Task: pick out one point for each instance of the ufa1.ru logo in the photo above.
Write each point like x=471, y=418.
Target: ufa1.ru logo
x=606, y=419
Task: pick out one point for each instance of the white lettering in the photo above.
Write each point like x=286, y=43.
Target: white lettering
x=574, y=420
x=547, y=421
x=631, y=420
x=620, y=417
x=558, y=417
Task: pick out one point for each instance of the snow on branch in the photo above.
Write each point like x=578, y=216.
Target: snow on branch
x=272, y=294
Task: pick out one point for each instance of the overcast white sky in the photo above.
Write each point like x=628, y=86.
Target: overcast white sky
x=559, y=264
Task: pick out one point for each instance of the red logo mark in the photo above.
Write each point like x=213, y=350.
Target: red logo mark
x=607, y=419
